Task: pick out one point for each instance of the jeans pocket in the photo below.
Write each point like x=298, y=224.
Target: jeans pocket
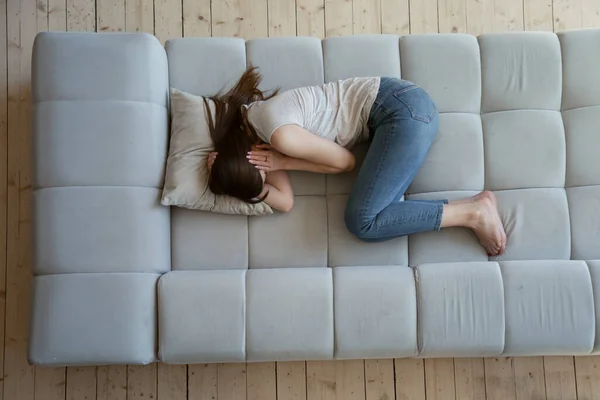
x=418, y=103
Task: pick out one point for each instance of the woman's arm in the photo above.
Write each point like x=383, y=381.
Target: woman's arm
x=281, y=195
x=309, y=152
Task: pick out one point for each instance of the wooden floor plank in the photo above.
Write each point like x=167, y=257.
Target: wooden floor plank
x=537, y=15
x=439, y=379
x=168, y=19
x=111, y=382
x=590, y=13
x=480, y=16
x=196, y=18
x=261, y=381
x=508, y=15
x=320, y=380
x=172, y=382
x=567, y=15
x=452, y=15
x=231, y=381
x=395, y=17
x=139, y=16
x=50, y=383
x=469, y=378
x=587, y=376
x=141, y=382
x=110, y=15
x=281, y=17
x=338, y=17
x=291, y=380
x=410, y=379
x=81, y=15
x=423, y=16
x=3, y=181
x=81, y=383
x=21, y=28
x=57, y=15
x=559, y=374
x=202, y=381
x=310, y=18
x=529, y=378
x=499, y=379
x=350, y=379
x=366, y=17
x=240, y=18
x=379, y=380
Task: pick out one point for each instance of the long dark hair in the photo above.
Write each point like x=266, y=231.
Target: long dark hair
x=233, y=138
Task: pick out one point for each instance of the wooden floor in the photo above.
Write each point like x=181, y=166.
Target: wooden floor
x=20, y=20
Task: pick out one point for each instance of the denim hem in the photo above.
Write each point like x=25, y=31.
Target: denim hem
x=438, y=221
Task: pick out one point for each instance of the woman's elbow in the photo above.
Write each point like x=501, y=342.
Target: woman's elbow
x=350, y=163
x=287, y=205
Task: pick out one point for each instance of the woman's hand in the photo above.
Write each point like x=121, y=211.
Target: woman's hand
x=266, y=158
x=211, y=160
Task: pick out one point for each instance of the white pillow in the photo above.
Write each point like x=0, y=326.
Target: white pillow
x=186, y=178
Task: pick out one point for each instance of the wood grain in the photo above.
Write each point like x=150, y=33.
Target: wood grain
x=110, y=15
x=240, y=18
x=350, y=379
x=310, y=18
x=452, y=16
x=196, y=18
x=3, y=181
x=81, y=15
x=172, y=382
x=469, y=378
x=139, y=16
x=202, y=381
x=379, y=380
x=50, y=383
x=320, y=380
x=21, y=28
x=261, y=381
x=480, y=16
x=587, y=376
x=282, y=17
x=141, y=382
x=567, y=15
x=57, y=15
x=559, y=374
x=291, y=380
x=168, y=19
x=439, y=378
x=423, y=16
x=366, y=17
x=410, y=379
x=529, y=378
x=111, y=382
x=338, y=17
x=499, y=379
x=81, y=383
x=231, y=381
x=395, y=17
x=537, y=15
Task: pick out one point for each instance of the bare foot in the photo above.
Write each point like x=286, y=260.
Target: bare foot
x=473, y=199
x=487, y=224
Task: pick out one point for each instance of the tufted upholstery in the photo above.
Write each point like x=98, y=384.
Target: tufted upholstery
x=519, y=115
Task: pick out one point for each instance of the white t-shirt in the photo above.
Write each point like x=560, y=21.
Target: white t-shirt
x=336, y=111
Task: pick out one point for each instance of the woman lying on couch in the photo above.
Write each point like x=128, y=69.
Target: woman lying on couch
x=258, y=138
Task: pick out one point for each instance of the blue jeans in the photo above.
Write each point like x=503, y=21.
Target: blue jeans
x=403, y=125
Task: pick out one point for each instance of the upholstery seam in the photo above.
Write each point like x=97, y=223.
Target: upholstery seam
x=99, y=101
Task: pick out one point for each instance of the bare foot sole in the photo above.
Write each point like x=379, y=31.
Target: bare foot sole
x=487, y=224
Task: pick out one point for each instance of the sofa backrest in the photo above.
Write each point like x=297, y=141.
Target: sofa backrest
x=518, y=115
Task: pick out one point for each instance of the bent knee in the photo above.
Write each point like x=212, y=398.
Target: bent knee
x=359, y=227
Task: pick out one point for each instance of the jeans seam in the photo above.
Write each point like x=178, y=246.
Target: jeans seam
x=438, y=221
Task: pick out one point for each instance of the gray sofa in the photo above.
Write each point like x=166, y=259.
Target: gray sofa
x=121, y=279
